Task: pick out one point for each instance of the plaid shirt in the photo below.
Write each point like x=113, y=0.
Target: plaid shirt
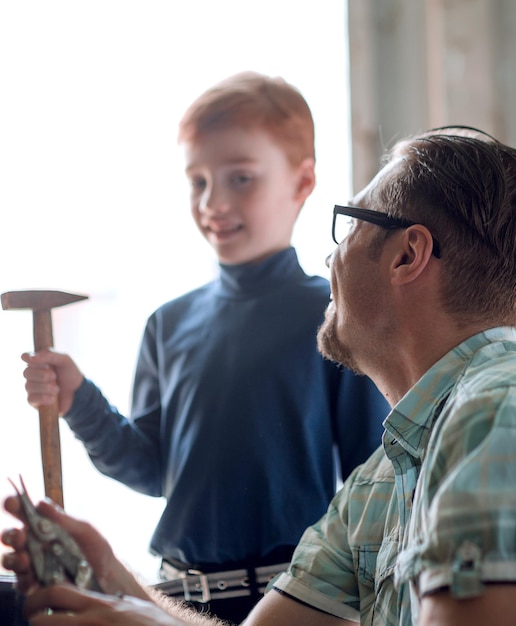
x=369, y=557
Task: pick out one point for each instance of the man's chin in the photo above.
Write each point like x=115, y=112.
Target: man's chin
x=331, y=348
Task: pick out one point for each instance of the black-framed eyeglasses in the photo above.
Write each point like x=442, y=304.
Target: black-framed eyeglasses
x=373, y=217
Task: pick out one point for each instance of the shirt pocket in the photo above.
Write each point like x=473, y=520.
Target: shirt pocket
x=375, y=573
x=376, y=562
x=386, y=563
x=367, y=559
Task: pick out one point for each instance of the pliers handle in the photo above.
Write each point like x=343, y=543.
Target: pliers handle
x=56, y=556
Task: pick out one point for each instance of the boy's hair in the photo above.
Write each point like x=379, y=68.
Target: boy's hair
x=463, y=188
x=253, y=101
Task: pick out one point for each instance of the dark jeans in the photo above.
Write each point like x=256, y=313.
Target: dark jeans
x=233, y=610
x=10, y=603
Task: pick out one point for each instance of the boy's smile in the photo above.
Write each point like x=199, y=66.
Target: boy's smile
x=245, y=193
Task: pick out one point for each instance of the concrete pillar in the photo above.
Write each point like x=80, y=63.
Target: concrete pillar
x=416, y=64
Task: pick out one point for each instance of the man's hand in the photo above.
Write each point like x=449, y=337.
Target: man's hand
x=50, y=375
x=112, y=576
x=18, y=560
x=128, y=603
x=71, y=605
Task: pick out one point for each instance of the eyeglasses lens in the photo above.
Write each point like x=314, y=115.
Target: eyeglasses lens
x=343, y=225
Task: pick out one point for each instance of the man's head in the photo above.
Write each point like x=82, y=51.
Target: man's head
x=458, y=190
x=249, y=148
x=463, y=188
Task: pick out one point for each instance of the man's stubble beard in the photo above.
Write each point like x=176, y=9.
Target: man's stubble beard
x=331, y=346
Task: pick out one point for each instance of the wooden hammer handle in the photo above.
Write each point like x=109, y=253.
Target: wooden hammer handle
x=49, y=418
x=51, y=453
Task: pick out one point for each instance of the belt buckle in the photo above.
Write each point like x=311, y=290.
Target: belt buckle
x=203, y=583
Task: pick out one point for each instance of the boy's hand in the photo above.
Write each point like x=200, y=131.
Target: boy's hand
x=49, y=376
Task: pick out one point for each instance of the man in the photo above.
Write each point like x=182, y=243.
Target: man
x=424, y=301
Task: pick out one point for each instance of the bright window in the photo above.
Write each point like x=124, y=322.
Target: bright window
x=94, y=199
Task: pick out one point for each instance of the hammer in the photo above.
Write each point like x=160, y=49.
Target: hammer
x=41, y=302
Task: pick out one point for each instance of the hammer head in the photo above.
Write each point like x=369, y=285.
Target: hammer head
x=38, y=299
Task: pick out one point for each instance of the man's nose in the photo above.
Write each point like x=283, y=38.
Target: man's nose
x=329, y=258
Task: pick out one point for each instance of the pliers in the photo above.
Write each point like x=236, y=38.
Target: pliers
x=55, y=555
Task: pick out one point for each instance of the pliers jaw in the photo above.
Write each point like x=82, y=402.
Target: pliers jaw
x=55, y=555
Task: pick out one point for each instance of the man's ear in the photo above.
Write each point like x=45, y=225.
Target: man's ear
x=413, y=254
x=305, y=180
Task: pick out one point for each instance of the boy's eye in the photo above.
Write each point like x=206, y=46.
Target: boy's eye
x=240, y=179
x=197, y=184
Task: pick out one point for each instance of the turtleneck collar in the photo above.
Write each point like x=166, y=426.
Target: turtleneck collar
x=255, y=278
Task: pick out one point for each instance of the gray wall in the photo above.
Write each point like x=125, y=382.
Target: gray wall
x=417, y=64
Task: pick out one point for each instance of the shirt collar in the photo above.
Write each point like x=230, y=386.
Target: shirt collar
x=410, y=421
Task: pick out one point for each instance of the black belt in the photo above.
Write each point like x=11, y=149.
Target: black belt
x=193, y=585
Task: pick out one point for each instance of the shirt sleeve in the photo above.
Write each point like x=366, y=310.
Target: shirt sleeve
x=127, y=450
x=463, y=528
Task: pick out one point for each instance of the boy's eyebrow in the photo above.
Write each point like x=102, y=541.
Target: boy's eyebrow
x=233, y=161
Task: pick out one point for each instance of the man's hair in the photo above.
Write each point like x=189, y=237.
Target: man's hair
x=250, y=100
x=462, y=186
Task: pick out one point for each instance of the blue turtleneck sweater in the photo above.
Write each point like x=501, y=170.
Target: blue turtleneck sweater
x=235, y=416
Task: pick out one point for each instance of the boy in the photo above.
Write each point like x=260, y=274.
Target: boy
x=235, y=415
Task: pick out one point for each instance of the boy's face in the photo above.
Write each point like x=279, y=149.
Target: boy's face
x=245, y=194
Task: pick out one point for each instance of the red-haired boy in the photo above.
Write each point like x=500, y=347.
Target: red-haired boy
x=235, y=415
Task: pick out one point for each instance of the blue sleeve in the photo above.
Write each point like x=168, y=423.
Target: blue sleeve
x=127, y=450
